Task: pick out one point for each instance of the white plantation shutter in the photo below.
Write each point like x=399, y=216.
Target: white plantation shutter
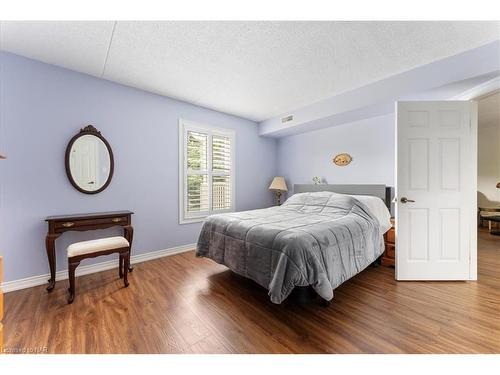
x=221, y=154
x=197, y=172
x=221, y=173
x=206, y=173
x=221, y=193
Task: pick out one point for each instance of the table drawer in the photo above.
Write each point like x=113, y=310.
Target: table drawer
x=66, y=225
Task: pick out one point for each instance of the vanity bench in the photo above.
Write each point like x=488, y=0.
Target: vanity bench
x=57, y=225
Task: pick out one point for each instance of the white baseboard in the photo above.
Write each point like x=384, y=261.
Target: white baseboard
x=29, y=282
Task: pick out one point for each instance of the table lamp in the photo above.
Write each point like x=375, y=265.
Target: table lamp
x=278, y=186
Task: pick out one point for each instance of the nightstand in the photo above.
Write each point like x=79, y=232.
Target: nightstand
x=389, y=255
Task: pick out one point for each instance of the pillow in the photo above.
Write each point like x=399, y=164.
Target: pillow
x=376, y=205
x=378, y=208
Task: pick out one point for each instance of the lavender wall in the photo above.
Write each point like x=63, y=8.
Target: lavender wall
x=43, y=106
x=370, y=142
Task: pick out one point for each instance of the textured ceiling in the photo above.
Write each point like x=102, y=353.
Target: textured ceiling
x=80, y=46
x=255, y=70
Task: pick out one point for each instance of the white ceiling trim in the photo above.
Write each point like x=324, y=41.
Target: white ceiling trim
x=480, y=91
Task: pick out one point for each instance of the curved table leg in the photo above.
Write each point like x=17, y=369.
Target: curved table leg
x=51, y=255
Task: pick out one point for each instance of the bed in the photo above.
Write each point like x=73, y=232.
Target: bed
x=320, y=237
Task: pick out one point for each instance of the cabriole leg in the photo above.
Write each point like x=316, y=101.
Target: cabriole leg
x=126, y=258
x=71, y=269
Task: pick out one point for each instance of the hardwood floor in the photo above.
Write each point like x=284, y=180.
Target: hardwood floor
x=183, y=304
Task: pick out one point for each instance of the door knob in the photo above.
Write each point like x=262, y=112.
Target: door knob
x=406, y=200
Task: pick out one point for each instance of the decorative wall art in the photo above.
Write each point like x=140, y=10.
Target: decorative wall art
x=342, y=160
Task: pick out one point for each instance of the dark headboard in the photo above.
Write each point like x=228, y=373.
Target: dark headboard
x=381, y=191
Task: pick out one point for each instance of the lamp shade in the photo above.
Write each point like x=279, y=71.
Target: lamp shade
x=278, y=183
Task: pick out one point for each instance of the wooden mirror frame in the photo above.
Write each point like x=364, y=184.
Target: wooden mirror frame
x=89, y=130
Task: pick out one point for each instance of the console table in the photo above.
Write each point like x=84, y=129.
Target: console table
x=495, y=219
x=485, y=212
x=57, y=225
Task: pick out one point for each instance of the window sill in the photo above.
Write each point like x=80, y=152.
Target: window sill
x=199, y=219
x=192, y=220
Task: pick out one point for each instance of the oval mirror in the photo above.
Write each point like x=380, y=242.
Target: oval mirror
x=89, y=161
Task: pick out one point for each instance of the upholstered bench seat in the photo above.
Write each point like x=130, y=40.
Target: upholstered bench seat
x=94, y=246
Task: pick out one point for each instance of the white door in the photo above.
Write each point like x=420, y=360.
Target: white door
x=436, y=208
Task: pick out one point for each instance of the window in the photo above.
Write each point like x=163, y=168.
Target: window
x=206, y=173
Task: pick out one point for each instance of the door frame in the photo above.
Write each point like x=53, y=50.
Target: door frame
x=473, y=235
x=474, y=95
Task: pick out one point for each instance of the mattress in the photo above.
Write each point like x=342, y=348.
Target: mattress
x=316, y=239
